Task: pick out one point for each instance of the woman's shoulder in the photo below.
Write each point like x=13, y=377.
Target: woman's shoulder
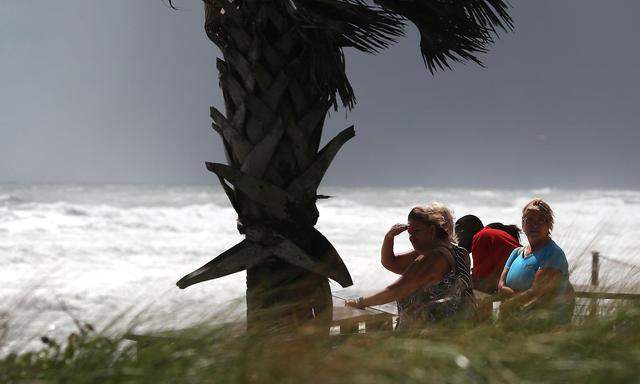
x=553, y=256
x=445, y=252
x=517, y=251
x=435, y=252
x=553, y=249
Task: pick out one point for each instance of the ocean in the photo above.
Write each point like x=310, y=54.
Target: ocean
x=110, y=255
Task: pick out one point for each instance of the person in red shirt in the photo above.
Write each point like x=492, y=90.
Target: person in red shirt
x=490, y=248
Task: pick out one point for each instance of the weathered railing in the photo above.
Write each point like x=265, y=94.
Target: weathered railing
x=353, y=320
x=348, y=320
x=589, y=297
x=594, y=293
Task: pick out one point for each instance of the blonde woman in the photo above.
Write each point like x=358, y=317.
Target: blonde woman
x=537, y=276
x=435, y=281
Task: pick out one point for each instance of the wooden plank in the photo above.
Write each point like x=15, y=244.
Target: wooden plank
x=349, y=318
x=582, y=291
x=589, y=292
x=148, y=339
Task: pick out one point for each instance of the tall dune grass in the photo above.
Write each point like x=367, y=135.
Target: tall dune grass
x=605, y=349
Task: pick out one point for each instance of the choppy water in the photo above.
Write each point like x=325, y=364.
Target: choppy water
x=101, y=252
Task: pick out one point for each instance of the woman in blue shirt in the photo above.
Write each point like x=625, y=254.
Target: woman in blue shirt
x=537, y=275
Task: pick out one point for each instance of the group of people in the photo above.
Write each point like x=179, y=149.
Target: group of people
x=437, y=280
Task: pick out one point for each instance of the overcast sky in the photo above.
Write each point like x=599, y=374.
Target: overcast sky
x=119, y=91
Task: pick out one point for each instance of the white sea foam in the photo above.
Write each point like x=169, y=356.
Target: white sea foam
x=105, y=251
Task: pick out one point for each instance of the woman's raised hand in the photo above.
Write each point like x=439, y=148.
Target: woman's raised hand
x=351, y=303
x=396, y=229
x=355, y=303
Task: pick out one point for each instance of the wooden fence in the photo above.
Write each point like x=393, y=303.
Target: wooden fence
x=348, y=320
x=352, y=320
x=595, y=294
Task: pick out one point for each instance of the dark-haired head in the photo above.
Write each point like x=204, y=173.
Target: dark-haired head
x=466, y=227
x=511, y=229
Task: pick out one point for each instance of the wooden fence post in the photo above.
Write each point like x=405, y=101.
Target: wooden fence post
x=595, y=268
x=595, y=271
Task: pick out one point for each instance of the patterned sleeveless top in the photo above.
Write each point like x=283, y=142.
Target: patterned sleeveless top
x=432, y=303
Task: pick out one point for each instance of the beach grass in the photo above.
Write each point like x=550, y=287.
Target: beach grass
x=602, y=349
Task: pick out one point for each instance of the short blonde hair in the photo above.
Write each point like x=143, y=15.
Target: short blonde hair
x=539, y=205
x=436, y=214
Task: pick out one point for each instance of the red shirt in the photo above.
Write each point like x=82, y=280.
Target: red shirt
x=490, y=249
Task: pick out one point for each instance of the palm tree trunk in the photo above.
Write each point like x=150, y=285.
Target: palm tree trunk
x=275, y=113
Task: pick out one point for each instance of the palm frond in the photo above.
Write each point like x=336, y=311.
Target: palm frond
x=351, y=23
x=331, y=25
x=452, y=30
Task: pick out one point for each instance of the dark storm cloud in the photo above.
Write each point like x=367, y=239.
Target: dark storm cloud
x=118, y=91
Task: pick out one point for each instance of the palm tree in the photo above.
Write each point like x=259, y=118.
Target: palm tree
x=283, y=69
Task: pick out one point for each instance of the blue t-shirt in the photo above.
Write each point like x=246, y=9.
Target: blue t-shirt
x=522, y=270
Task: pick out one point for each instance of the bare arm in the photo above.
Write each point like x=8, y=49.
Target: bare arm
x=396, y=263
x=423, y=271
x=503, y=290
x=544, y=286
